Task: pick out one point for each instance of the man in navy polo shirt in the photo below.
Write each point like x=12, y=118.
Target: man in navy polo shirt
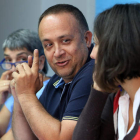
x=66, y=40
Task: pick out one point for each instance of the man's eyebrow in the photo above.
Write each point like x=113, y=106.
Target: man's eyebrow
x=60, y=37
x=63, y=36
x=45, y=40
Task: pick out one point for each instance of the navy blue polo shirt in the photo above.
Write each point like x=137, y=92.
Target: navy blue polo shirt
x=66, y=101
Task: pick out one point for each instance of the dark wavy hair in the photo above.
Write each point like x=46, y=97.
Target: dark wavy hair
x=118, y=32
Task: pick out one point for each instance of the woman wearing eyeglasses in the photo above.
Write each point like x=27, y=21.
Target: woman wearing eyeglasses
x=17, y=47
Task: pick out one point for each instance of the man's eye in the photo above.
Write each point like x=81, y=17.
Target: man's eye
x=66, y=41
x=48, y=45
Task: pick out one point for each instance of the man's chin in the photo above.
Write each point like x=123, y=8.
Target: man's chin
x=67, y=77
x=63, y=75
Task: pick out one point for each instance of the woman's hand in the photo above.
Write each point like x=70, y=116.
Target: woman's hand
x=95, y=86
x=4, y=86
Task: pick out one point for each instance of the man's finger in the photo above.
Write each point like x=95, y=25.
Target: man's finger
x=20, y=69
x=26, y=68
x=41, y=78
x=30, y=61
x=12, y=83
x=14, y=75
x=35, y=66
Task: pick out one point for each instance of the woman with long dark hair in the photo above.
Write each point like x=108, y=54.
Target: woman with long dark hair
x=113, y=108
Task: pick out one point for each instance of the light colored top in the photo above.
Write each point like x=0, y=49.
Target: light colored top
x=123, y=116
x=10, y=103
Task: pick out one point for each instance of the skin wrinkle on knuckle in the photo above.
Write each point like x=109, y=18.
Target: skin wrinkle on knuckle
x=29, y=74
x=35, y=62
x=25, y=65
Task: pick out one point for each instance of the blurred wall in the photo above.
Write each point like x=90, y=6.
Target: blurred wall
x=16, y=14
x=102, y=5
x=86, y=6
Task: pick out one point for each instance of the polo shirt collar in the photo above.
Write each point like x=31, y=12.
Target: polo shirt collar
x=59, y=83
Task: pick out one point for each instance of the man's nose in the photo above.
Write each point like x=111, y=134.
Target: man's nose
x=59, y=51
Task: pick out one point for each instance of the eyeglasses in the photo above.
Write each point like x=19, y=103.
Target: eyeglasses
x=7, y=65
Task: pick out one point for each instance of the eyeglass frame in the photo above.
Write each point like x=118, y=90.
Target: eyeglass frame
x=11, y=63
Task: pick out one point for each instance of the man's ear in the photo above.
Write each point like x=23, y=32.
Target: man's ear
x=88, y=38
x=41, y=62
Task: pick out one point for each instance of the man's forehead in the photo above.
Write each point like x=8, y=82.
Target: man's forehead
x=59, y=14
x=60, y=26
x=67, y=18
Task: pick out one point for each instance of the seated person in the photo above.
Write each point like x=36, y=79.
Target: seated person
x=17, y=47
x=114, y=116
x=66, y=40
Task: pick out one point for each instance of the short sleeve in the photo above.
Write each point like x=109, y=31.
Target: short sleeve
x=39, y=93
x=9, y=103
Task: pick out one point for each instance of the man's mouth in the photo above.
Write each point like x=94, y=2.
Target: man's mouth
x=62, y=63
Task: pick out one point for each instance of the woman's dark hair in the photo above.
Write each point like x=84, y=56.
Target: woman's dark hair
x=118, y=32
